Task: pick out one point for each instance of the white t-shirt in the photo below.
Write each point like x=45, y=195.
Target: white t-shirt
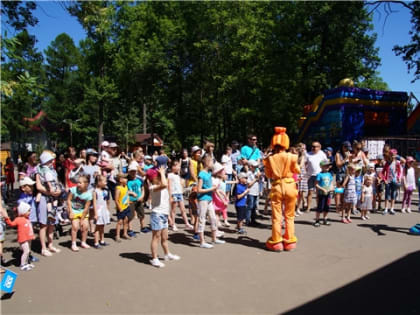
x=254, y=190
x=227, y=163
x=175, y=183
x=411, y=178
x=313, y=160
x=160, y=200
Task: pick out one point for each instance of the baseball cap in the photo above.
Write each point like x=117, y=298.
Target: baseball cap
x=91, y=151
x=253, y=163
x=113, y=145
x=242, y=175
x=26, y=181
x=195, y=148
x=151, y=173
x=329, y=149
x=132, y=167
x=23, y=208
x=148, y=157
x=325, y=162
x=105, y=144
x=346, y=144
x=409, y=159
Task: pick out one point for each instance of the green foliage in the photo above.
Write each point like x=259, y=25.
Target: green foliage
x=411, y=52
x=216, y=70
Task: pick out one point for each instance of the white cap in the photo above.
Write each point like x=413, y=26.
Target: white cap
x=113, y=145
x=23, y=208
x=26, y=181
x=217, y=167
x=195, y=148
x=148, y=157
x=105, y=144
x=253, y=163
x=46, y=156
x=132, y=167
x=242, y=175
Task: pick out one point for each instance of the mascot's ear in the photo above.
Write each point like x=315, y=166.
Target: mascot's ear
x=280, y=130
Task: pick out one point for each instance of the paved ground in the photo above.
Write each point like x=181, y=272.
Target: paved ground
x=367, y=266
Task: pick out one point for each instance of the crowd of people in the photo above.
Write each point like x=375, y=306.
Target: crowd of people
x=78, y=190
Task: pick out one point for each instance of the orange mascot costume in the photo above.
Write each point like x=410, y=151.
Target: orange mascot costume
x=280, y=167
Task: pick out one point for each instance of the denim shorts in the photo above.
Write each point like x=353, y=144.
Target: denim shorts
x=158, y=221
x=122, y=214
x=391, y=190
x=177, y=197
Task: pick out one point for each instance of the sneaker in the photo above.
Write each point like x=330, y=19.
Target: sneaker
x=84, y=245
x=131, y=234
x=74, y=248
x=189, y=227
x=403, y=210
x=172, y=257
x=157, y=263
x=408, y=210
x=349, y=220
x=206, y=245
x=241, y=231
x=46, y=253
x=345, y=221
x=317, y=224
x=363, y=218
x=367, y=217
x=327, y=222
x=26, y=267
x=33, y=259
x=196, y=237
x=53, y=249
x=385, y=212
x=219, y=241
x=97, y=246
x=145, y=230
x=392, y=211
x=103, y=244
x=219, y=233
x=226, y=224
x=174, y=228
x=298, y=213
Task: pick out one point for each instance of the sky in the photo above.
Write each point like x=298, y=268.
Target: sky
x=393, y=30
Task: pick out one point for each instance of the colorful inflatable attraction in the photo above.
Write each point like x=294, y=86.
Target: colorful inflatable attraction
x=349, y=113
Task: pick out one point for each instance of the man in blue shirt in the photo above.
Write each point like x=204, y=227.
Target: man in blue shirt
x=251, y=151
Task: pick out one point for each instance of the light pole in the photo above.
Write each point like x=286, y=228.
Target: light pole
x=70, y=122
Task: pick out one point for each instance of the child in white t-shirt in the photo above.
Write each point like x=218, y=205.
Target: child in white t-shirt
x=176, y=196
x=159, y=217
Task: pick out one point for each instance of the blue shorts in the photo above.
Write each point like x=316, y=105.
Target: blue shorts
x=123, y=214
x=158, y=221
x=391, y=190
x=177, y=197
x=241, y=213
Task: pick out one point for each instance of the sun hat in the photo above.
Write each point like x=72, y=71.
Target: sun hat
x=217, y=168
x=26, y=181
x=105, y=144
x=46, y=157
x=23, y=208
x=151, y=173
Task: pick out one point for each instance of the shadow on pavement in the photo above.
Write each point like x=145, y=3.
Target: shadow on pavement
x=246, y=241
x=378, y=228
x=392, y=289
x=7, y=296
x=181, y=238
x=139, y=257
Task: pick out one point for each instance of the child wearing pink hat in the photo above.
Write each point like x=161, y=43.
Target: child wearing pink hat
x=409, y=184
